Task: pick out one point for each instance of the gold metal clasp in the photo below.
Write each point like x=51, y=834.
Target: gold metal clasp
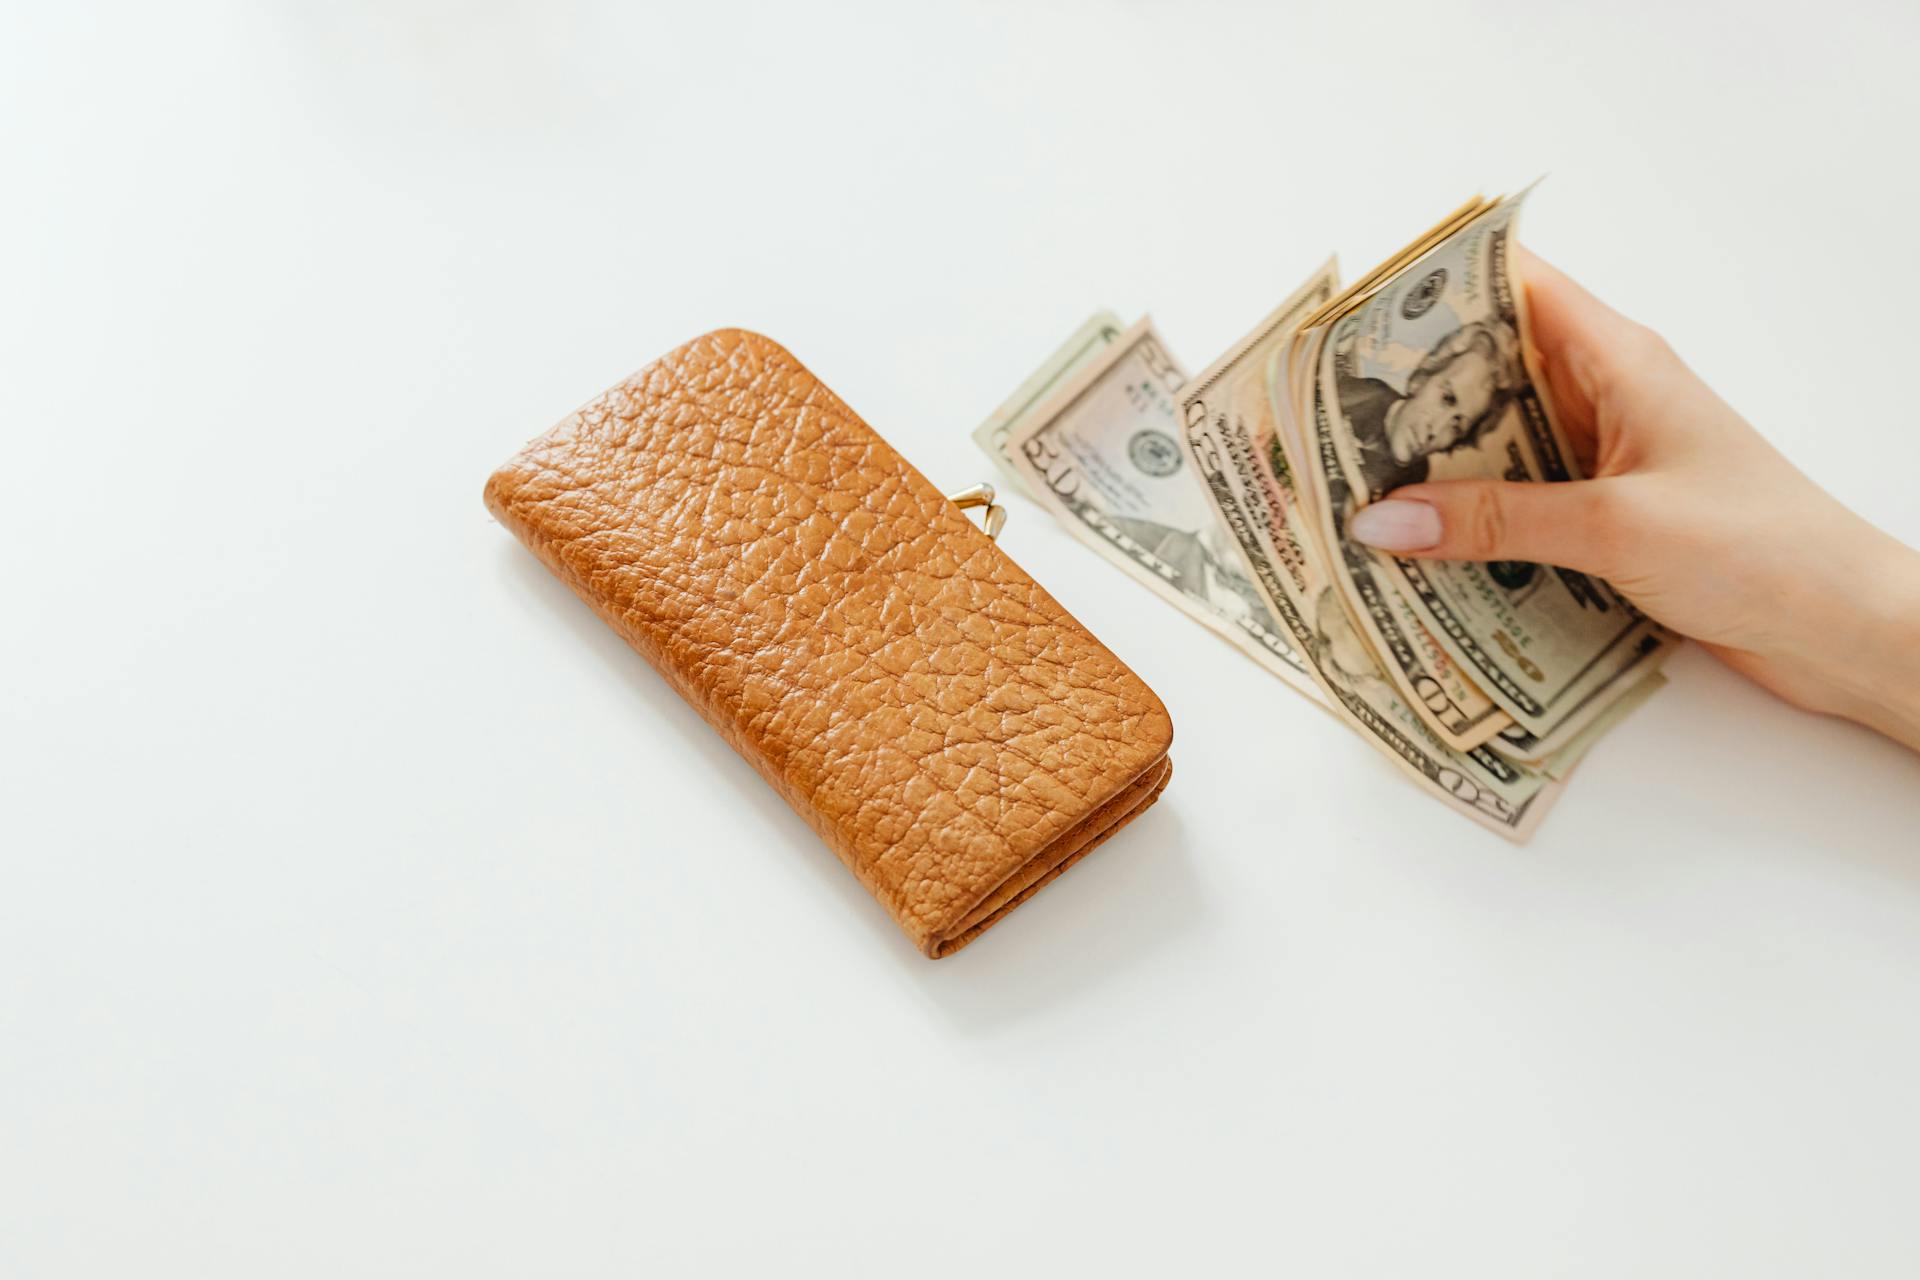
x=981, y=495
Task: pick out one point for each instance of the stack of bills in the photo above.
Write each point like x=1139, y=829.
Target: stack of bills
x=1228, y=495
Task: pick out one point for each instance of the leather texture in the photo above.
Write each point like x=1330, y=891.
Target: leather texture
x=946, y=727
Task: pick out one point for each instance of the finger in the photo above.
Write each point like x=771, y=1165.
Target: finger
x=1570, y=326
x=1555, y=311
x=1604, y=368
x=1562, y=524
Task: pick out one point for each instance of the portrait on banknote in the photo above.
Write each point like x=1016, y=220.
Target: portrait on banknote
x=1341, y=652
x=1459, y=389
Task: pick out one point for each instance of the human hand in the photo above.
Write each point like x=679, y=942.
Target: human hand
x=1693, y=516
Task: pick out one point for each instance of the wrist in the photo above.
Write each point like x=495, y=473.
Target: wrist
x=1871, y=656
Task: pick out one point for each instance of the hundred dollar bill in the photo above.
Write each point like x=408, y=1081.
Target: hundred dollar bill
x=1264, y=519
x=1426, y=379
x=1093, y=336
x=1103, y=455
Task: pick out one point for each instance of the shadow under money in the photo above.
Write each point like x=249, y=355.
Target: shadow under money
x=1715, y=763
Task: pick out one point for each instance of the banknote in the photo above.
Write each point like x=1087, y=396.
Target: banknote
x=1456, y=709
x=1559, y=764
x=1453, y=707
x=1103, y=454
x=1479, y=783
x=1235, y=385
x=1230, y=495
x=1093, y=336
x=1425, y=379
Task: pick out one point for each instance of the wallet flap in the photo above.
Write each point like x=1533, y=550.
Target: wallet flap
x=932, y=712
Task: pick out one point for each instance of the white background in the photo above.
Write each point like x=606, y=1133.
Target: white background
x=366, y=908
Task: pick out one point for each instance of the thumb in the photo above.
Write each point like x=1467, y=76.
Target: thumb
x=1559, y=524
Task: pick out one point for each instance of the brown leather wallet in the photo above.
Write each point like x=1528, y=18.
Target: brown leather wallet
x=945, y=726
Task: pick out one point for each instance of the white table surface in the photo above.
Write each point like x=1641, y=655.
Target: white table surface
x=367, y=909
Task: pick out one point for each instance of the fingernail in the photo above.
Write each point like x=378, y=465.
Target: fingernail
x=1397, y=525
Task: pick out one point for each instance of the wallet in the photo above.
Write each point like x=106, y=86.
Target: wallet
x=950, y=731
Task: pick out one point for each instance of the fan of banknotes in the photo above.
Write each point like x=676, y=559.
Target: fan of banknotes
x=1228, y=495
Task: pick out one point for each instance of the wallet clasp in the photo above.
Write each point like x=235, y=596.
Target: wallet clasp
x=982, y=495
